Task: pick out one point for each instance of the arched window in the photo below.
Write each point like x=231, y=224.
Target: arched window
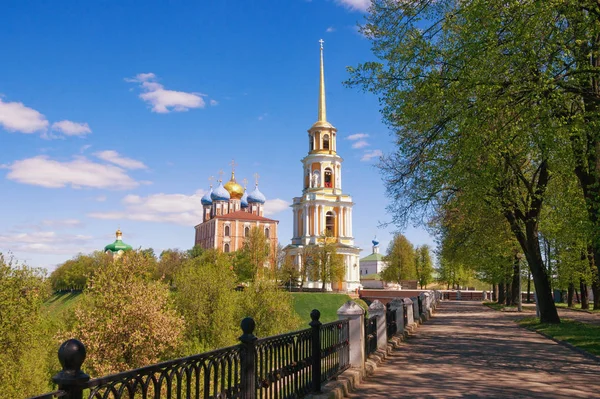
x=311, y=142
x=326, y=142
x=329, y=222
x=328, y=178
x=226, y=248
x=226, y=231
x=267, y=232
x=246, y=231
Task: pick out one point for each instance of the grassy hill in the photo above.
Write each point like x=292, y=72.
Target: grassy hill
x=60, y=303
x=326, y=303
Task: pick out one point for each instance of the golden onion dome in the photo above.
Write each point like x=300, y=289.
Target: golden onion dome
x=235, y=190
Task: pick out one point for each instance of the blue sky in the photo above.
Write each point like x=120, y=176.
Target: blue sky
x=115, y=113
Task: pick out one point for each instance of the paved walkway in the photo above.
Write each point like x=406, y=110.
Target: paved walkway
x=470, y=351
x=584, y=317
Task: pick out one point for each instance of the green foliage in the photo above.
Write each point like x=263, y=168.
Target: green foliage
x=169, y=263
x=252, y=261
x=400, y=258
x=125, y=318
x=270, y=307
x=23, y=344
x=75, y=273
x=423, y=265
x=326, y=265
x=205, y=297
x=327, y=303
x=195, y=252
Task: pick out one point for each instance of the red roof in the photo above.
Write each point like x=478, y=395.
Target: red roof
x=242, y=215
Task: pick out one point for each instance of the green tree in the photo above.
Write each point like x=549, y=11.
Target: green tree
x=423, y=265
x=326, y=265
x=169, y=263
x=400, y=258
x=206, y=298
x=449, y=87
x=23, y=344
x=252, y=261
x=125, y=318
x=195, y=252
x=75, y=273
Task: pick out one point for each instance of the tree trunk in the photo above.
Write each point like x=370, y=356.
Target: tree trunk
x=528, y=286
x=515, y=282
x=501, y=293
x=585, y=303
x=577, y=297
x=570, y=293
x=508, y=294
x=494, y=292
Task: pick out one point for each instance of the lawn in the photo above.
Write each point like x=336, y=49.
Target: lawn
x=577, y=306
x=326, y=303
x=60, y=303
x=581, y=335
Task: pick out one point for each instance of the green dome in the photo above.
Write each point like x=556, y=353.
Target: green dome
x=118, y=245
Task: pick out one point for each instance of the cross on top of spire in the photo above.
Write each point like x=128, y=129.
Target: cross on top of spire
x=221, y=175
x=321, y=41
x=245, y=181
x=256, y=176
x=210, y=179
x=233, y=165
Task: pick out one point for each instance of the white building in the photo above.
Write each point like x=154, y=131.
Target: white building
x=323, y=208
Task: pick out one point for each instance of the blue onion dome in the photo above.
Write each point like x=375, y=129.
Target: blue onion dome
x=375, y=242
x=244, y=199
x=220, y=193
x=256, y=196
x=206, y=200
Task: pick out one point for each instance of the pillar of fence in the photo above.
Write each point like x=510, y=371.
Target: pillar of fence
x=248, y=359
x=315, y=325
x=397, y=305
x=378, y=309
x=416, y=314
x=410, y=318
x=71, y=355
x=356, y=324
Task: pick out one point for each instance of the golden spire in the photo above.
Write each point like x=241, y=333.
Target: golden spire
x=322, y=110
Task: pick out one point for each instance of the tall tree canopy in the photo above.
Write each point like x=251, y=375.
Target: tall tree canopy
x=400, y=258
x=487, y=99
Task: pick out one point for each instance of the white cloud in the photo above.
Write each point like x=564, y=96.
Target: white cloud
x=80, y=172
x=368, y=155
x=330, y=29
x=355, y=5
x=100, y=198
x=16, y=117
x=62, y=223
x=46, y=242
x=170, y=208
x=357, y=136
x=71, y=128
x=275, y=206
x=360, y=144
x=163, y=100
x=116, y=158
x=214, y=102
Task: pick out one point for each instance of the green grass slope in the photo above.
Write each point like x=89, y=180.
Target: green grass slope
x=326, y=303
x=59, y=304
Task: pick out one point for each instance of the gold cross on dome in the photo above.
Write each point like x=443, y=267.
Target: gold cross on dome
x=245, y=181
x=221, y=175
x=321, y=41
x=210, y=179
x=233, y=165
x=256, y=176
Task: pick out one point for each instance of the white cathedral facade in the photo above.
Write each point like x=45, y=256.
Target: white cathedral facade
x=323, y=208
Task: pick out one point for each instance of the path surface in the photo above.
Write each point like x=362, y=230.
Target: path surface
x=584, y=317
x=468, y=350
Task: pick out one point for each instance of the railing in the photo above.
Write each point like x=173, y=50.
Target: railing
x=390, y=320
x=283, y=366
x=370, y=335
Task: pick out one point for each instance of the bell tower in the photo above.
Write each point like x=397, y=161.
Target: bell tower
x=323, y=209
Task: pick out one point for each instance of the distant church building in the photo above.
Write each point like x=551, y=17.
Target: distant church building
x=323, y=208
x=374, y=263
x=117, y=248
x=228, y=215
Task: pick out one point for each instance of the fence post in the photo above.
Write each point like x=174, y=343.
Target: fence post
x=248, y=359
x=71, y=355
x=356, y=331
x=397, y=305
x=378, y=309
x=315, y=324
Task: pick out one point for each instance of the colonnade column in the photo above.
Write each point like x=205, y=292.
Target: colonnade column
x=315, y=220
x=305, y=227
x=322, y=210
x=340, y=221
x=295, y=229
x=350, y=222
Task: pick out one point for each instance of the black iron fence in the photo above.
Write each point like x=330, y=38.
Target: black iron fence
x=283, y=366
x=370, y=335
x=390, y=321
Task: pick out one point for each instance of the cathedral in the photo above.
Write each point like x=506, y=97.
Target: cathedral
x=323, y=208
x=229, y=213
